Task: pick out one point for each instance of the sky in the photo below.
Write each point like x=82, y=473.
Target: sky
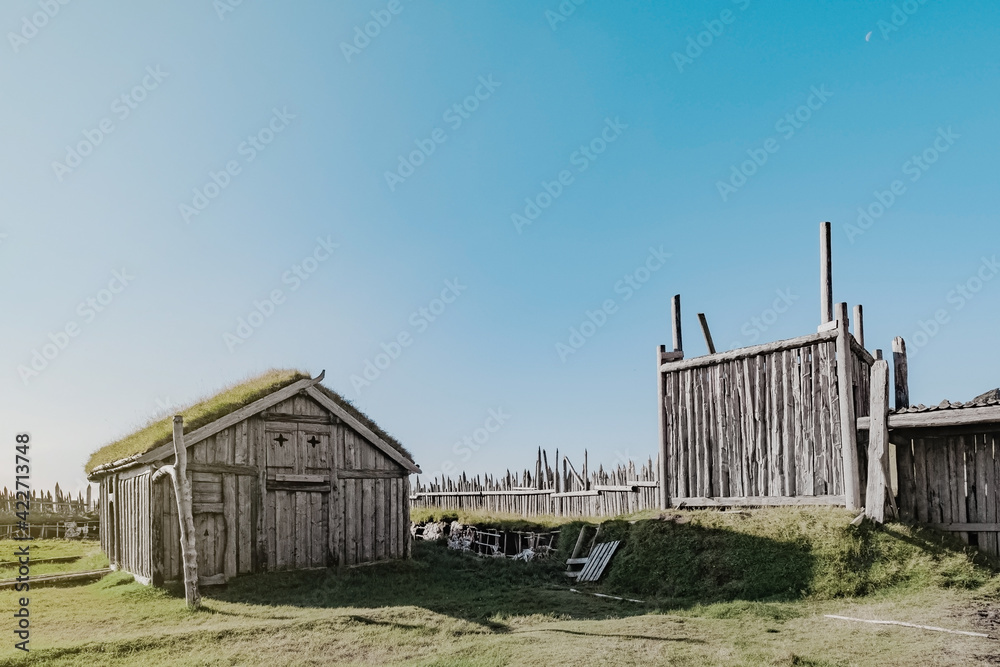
x=475, y=214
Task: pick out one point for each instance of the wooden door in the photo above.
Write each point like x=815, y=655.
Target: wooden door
x=298, y=494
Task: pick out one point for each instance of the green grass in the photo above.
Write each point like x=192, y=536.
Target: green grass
x=719, y=589
x=202, y=412
x=779, y=554
x=89, y=551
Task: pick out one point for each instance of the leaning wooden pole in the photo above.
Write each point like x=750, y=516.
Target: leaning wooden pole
x=182, y=490
x=707, y=333
x=848, y=421
x=878, y=443
x=825, y=273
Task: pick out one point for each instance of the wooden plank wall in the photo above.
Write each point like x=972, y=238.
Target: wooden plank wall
x=132, y=552
x=761, y=425
x=952, y=482
x=373, y=523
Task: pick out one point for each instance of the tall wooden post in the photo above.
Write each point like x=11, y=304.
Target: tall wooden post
x=878, y=443
x=182, y=490
x=900, y=374
x=707, y=333
x=825, y=273
x=848, y=420
x=859, y=324
x=675, y=313
x=662, y=407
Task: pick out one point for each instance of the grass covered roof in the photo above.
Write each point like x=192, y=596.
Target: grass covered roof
x=205, y=411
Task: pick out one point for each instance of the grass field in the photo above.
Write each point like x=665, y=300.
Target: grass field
x=738, y=589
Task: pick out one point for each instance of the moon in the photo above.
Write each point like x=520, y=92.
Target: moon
x=868, y=37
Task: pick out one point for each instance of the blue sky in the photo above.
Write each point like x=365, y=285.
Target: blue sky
x=644, y=110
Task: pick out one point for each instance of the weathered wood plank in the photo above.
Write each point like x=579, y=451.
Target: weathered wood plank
x=231, y=524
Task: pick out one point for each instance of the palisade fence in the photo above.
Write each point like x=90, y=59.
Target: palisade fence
x=49, y=512
x=547, y=491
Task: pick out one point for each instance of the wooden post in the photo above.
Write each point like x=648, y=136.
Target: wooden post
x=708, y=334
x=859, y=325
x=878, y=443
x=825, y=274
x=662, y=407
x=182, y=489
x=901, y=380
x=848, y=422
x=675, y=312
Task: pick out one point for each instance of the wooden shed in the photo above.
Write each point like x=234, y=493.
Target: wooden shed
x=285, y=474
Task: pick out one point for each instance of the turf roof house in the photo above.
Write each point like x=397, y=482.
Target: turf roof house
x=285, y=474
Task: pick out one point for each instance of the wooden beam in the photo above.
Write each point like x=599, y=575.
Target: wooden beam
x=966, y=527
x=305, y=479
x=664, y=493
x=825, y=273
x=900, y=374
x=878, y=443
x=675, y=316
x=370, y=474
x=848, y=420
x=221, y=469
x=708, y=334
x=744, y=352
x=757, y=501
x=859, y=324
x=288, y=417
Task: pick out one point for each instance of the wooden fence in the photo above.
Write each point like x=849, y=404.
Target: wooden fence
x=950, y=482
x=546, y=491
x=763, y=425
x=50, y=502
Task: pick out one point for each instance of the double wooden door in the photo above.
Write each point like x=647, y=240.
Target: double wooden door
x=297, y=502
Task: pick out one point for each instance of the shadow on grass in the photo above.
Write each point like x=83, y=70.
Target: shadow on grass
x=677, y=566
